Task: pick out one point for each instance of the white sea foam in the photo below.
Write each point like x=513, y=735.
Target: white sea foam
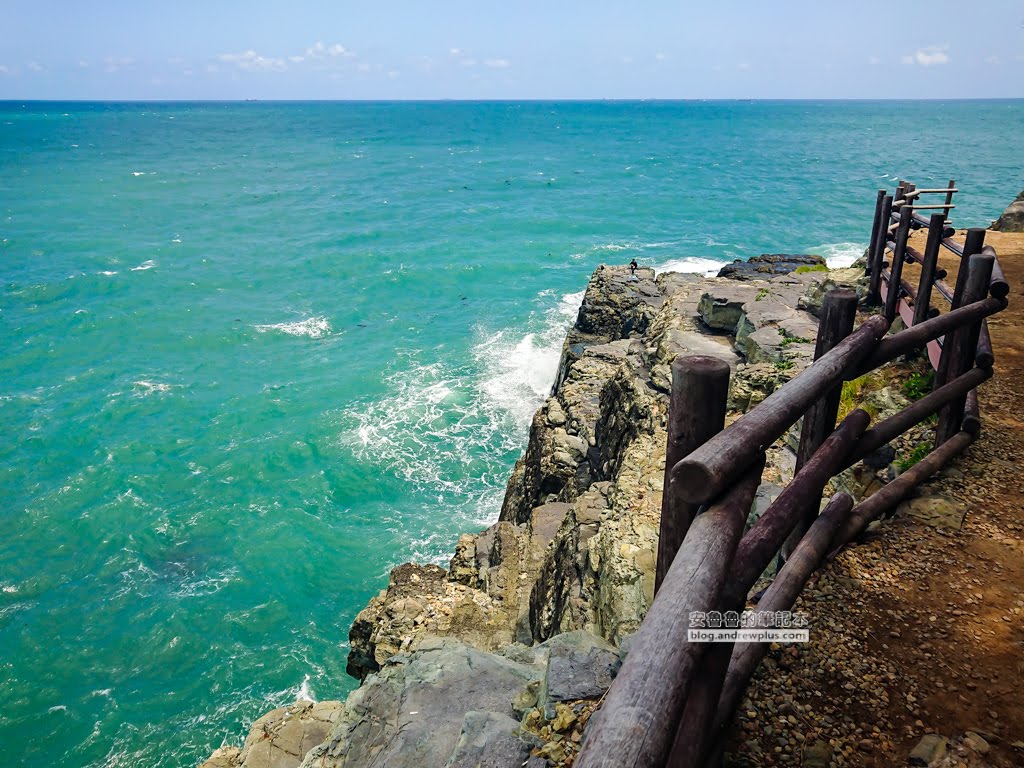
x=58, y=708
x=148, y=264
x=107, y=272
x=8, y=589
x=206, y=585
x=305, y=692
x=691, y=265
x=446, y=427
x=145, y=388
x=839, y=255
x=313, y=327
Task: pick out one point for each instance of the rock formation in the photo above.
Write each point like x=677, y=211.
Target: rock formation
x=456, y=664
x=1012, y=219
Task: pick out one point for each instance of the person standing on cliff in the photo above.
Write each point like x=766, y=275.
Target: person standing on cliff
x=633, y=266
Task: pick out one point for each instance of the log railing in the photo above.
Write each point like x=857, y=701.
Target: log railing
x=672, y=699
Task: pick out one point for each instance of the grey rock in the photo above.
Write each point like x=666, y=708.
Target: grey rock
x=936, y=510
x=929, y=749
x=852, y=278
x=490, y=740
x=976, y=742
x=766, y=494
x=282, y=737
x=580, y=666
x=412, y=713
x=1012, y=219
x=758, y=267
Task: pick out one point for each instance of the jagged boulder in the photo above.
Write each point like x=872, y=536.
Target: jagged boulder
x=759, y=267
x=281, y=738
x=439, y=706
x=1012, y=219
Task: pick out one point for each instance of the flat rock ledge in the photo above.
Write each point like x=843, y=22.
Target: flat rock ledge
x=499, y=659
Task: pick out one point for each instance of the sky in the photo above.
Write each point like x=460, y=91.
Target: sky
x=480, y=49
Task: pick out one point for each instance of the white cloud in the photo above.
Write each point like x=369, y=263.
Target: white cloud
x=112, y=64
x=251, y=61
x=320, y=51
x=34, y=66
x=497, y=63
x=660, y=57
x=929, y=56
x=393, y=74
x=468, y=62
x=454, y=51
x=296, y=59
x=743, y=66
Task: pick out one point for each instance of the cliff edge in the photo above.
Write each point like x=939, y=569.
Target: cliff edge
x=499, y=659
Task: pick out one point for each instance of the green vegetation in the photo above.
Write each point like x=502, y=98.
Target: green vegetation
x=919, y=384
x=811, y=268
x=853, y=392
x=761, y=294
x=784, y=365
x=919, y=452
x=787, y=340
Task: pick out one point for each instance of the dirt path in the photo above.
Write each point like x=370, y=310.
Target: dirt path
x=917, y=630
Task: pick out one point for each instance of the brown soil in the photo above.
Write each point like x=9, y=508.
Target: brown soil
x=917, y=630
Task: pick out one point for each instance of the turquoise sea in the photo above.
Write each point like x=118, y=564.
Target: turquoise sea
x=256, y=354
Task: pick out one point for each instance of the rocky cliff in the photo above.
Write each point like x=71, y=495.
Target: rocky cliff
x=503, y=654
x=1012, y=219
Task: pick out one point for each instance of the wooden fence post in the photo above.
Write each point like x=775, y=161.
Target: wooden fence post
x=896, y=269
x=961, y=346
x=700, y=389
x=949, y=195
x=936, y=224
x=878, y=253
x=637, y=725
x=974, y=241
x=838, y=312
x=876, y=224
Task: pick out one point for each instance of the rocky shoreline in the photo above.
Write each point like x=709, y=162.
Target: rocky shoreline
x=499, y=659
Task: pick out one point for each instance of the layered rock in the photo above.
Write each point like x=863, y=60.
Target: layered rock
x=767, y=264
x=570, y=561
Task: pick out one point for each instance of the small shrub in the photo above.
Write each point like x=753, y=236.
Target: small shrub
x=918, y=384
x=851, y=394
x=803, y=270
x=761, y=294
x=919, y=452
x=784, y=365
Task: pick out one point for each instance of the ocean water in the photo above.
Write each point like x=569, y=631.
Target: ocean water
x=256, y=354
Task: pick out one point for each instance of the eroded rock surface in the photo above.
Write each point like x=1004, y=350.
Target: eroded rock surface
x=531, y=610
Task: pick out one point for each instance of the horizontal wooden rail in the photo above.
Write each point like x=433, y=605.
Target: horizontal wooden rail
x=890, y=494
x=944, y=191
x=702, y=475
x=917, y=336
x=898, y=423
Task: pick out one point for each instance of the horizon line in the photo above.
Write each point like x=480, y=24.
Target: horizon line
x=441, y=100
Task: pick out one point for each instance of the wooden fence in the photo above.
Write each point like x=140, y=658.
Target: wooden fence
x=672, y=699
